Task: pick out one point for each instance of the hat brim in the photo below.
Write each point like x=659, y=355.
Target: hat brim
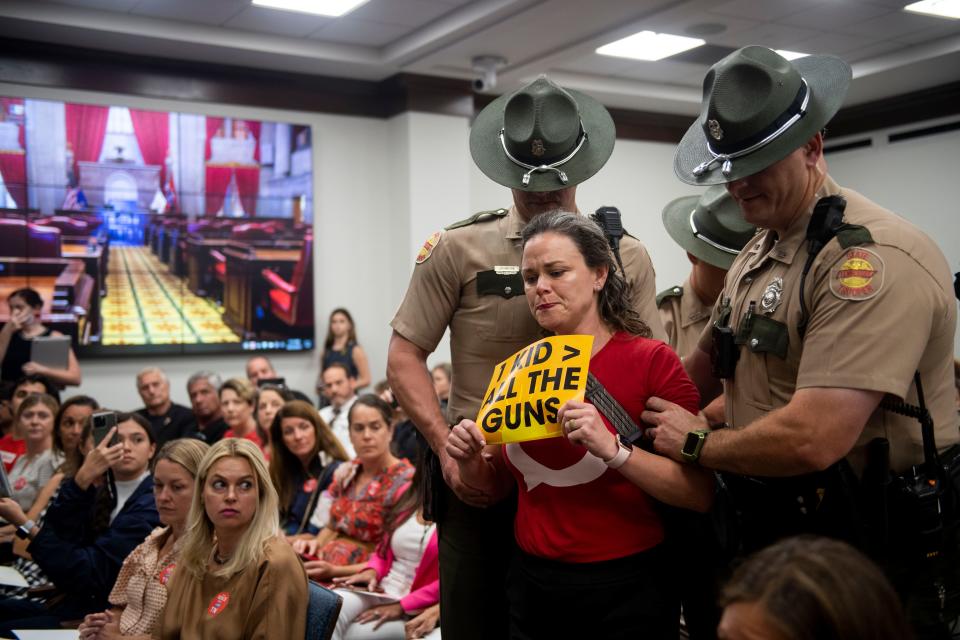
x=676, y=220
x=828, y=78
x=489, y=156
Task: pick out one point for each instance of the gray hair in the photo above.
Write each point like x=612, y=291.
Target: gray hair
x=156, y=370
x=211, y=378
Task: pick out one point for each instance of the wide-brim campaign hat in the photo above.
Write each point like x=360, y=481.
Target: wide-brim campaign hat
x=710, y=227
x=757, y=108
x=542, y=137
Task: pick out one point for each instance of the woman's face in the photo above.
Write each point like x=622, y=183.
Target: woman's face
x=230, y=493
x=173, y=491
x=268, y=404
x=237, y=412
x=339, y=325
x=441, y=383
x=19, y=307
x=369, y=433
x=36, y=423
x=561, y=289
x=72, y=422
x=137, y=451
x=299, y=437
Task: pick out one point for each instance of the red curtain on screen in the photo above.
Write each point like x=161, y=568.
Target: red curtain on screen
x=152, y=129
x=13, y=162
x=86, y=125
x=218, y=175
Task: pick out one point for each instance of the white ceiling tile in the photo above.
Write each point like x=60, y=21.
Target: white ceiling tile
x=214, y=12
x=665, y=72
x=348, y=30
x=283, y=23
x=872, y=51
x=834, y=15
x=834, y=44
x=777, y=36
x=101, y=5
x=597, y=64
x=762, y=9
x=893, y=25
x=412, y=13
x=930, y=34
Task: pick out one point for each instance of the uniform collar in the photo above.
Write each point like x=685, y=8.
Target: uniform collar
x=691, y=308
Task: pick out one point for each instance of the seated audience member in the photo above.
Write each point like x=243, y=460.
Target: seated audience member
x=140, y=592
x=94, y=523
x=260, y=371
x=31, y=472
x=12, y=444
x=339, y=388
x=442, y=375
x=168, y=419
x=404, y=567
x=203, y=390
x=236, y=578
x=807, y=587
x=405, y=443
x=238, y=400
x=363, y=495
x=270, y=398
x=588, y=525
x=305, y=455
x=6, y=412
x=26, y=308
x=341, y=346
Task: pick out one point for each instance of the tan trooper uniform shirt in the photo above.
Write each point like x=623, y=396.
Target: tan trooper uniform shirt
x=469, y=279
x=877, y=313
x=684, y=316
x=263, y=602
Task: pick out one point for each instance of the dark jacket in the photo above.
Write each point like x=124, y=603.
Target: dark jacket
x=80, y=563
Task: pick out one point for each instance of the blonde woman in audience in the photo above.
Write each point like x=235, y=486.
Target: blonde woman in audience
x=236, y=578
x=270, y=398
x=363, y=495
x=31, y=472
x=305, y=456
x=238, y=401
x=140, y=592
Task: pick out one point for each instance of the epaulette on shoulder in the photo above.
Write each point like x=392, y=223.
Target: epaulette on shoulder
x=672, y=292
x=852, y=235
x=477, y=217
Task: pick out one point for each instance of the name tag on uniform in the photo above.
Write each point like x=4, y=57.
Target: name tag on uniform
x=507, y=283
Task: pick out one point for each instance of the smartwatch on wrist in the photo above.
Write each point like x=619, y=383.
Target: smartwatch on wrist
x=693, y=445
x=620, y=457
x=23, y=531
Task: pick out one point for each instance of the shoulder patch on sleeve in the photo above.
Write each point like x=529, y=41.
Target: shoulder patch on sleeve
x=672, y=292
x=428, y=246
x=477, y=217
x=857, y=274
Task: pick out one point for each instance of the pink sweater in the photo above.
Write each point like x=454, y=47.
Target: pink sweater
x=425, y=590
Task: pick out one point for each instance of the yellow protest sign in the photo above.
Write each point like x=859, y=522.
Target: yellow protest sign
x=528, y=388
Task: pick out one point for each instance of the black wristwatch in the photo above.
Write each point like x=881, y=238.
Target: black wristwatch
x=23, y=531
x=693, y=445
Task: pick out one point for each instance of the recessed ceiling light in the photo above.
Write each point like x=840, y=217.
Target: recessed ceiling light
x=791, y=55
x=648, y=45
x=318, y=7
x=939, y=8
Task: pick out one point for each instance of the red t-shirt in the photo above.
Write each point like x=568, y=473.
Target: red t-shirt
x=572, y=507
x=252, y=436
x=10, y=450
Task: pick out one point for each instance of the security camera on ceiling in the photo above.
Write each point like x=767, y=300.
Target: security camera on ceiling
x=485, y=68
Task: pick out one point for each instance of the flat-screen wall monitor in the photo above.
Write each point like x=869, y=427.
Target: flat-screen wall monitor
x=149, y=232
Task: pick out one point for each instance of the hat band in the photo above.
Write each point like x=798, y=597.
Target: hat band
x=703, y=238
x=553, y=166
x=789, y=118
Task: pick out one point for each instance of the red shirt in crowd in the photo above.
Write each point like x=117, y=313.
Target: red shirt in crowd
x=572, y=507
x=10, y=450
x=252, y=436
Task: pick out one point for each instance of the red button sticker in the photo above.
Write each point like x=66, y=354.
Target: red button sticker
x=219, y=603
x=310, y=485
x=166, y=572
x=20, y=483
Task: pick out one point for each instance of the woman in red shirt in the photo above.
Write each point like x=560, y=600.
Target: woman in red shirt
x=590, y=561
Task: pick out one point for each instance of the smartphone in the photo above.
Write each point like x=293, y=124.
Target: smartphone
x=102, y=422
x=5, y=490
x=273, y=382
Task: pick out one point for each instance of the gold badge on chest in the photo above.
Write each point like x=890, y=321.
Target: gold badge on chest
x=772, y=296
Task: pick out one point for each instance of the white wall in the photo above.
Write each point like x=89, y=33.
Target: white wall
x=382, y=186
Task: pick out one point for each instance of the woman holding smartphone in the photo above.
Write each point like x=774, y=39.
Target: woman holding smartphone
x=24, y=325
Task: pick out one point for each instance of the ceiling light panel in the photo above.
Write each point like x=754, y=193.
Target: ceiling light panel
x=648, y=45
x=938, y=8
x=317, y=7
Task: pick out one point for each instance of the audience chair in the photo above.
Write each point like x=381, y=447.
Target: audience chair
x=323, y=609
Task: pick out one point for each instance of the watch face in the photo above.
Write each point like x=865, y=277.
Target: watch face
x=690, y=445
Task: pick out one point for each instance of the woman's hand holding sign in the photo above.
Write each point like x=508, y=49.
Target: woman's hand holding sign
x=582, y=425
x=478, y=470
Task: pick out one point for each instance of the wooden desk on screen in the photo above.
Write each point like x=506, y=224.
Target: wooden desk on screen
x=200, y=262
x=92, y=258
x=65, y=288
x=245, y=290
